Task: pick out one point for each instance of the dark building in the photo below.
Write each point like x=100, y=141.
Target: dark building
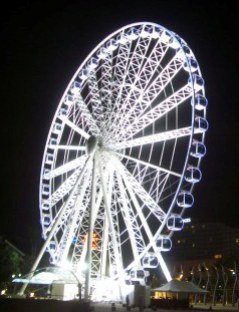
x=205, y=241
x=202, y=245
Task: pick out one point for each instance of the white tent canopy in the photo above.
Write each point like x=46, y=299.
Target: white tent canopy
x=175, y=286
x=48, y=276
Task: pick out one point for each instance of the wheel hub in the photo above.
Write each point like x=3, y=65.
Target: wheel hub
x=93, y=143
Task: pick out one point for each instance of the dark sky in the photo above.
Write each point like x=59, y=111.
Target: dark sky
x=42, y=45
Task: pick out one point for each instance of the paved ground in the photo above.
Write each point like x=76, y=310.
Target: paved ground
x=106, y=307
x=218, y=307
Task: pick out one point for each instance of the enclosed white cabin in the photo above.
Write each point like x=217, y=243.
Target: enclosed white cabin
x=198, y=149
x=45, y=207
x=191, y=65
x=182, y=51
x=200, y=102
x=92, y=64
x=102, y=53
x=175, y=223
x=52, y=141
x=83, y=75
x=200, y=125
x=57, y=127
x=75, y=87
x=193, y=175
x=164, y=243
x=45, y=189
x=133, y=33
x=146, y=31
x=165, y=37
x=46, y=173
x=174, y=43
x=138, y=275
x=49, y=159
x=197, y=81
x=185, y=199
x=111, y=45
x=122, y=39
x=69, y=100
x=46, y=219
x=150, y=261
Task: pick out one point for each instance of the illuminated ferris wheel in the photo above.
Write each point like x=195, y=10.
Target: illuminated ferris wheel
x=122, y=156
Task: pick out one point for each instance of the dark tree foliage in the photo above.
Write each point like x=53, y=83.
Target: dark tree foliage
x=11, y=262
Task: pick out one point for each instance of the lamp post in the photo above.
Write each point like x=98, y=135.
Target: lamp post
x=234, y=272
x=199, y=282
x=225, y=280
x=208, y=277
x=215, y=286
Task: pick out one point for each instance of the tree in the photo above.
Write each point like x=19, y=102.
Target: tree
x=11, y=261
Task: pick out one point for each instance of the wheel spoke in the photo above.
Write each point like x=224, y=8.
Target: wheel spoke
x=68, y=147
x=163, y=108
x=71, y=165
x=70, y=201
x=95, y=99
x=131, y=74
x=87, y=116
x=75, y=127
x=63, y=189
x=138, y=208
x=143, y=73
x=154, y=138
x=149, y=165
x=141, y=192
x=150, y=93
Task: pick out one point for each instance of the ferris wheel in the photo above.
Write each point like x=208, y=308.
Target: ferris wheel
x=122, y=156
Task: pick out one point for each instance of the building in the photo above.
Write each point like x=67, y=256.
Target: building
x=205, y=241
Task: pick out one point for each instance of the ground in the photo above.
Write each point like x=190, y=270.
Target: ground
x=106, y=307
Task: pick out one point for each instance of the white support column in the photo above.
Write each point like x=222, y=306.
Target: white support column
x=105, y=240
x=164, y=267
x=90, y=232
x=118, y=256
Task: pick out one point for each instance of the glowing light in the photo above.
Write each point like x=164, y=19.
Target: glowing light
x=32, y=294
x=3, y=292
x=105, y=290
x=66, y=264
x=84, y=266
x=95, y=241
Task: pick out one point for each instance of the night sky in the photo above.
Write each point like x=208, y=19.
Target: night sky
x=42, y=45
